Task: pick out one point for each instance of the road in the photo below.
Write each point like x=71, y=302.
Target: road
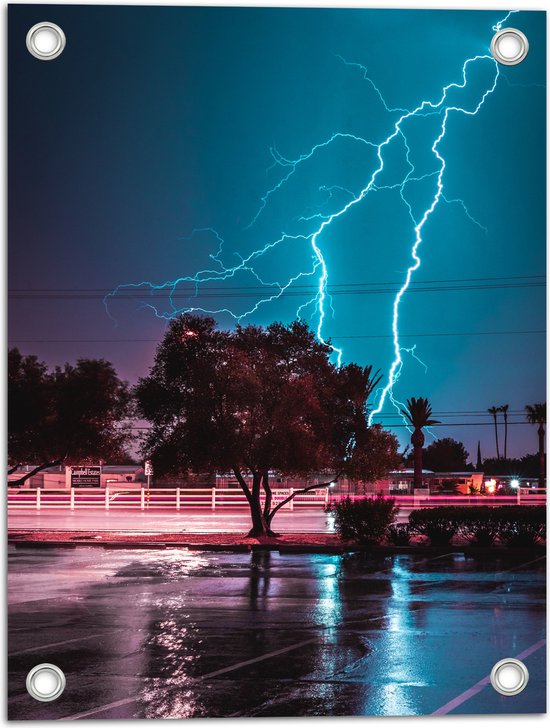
x=191, y=519
x=177, y=633
x=166, y=521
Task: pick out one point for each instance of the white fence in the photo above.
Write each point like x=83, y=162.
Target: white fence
x=211, y=498
x=157, y=498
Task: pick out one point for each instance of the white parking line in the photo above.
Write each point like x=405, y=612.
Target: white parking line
x=101, y=708
x=435, y=558
x=29, y=650
x=479, y=686
x=515, y=568
x=200, y=678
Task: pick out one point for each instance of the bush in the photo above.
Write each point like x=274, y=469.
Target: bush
x=399, y=534
x=364, y=521
x=438, y=524
x=479, y=524
x=515, y=526
x=521, y=526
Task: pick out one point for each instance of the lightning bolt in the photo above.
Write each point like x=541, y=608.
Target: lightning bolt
x=320, y=303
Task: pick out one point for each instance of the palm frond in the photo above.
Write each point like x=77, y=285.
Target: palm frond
x=536, y=413
x=419, y=413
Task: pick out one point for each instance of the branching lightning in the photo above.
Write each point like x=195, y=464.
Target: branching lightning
x=320, y=304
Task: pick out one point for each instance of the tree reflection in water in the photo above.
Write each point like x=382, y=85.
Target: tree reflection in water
x=173, y=644
x=260, y=572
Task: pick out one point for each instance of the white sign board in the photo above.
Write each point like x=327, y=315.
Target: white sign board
x=148, y=467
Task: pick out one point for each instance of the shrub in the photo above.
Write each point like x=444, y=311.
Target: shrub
x=515, y=526
x=449, y=487
x=479, y=524
x=399, y=534
x=438, y=524
x=521, y=526
x=364, y=521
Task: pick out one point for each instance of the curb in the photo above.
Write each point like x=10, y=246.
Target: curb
x=334, y=549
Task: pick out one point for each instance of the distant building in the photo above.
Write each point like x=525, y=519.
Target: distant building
x=59, y=477
x=399, y=482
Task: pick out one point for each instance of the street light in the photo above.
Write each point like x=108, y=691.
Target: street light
x=514, y=483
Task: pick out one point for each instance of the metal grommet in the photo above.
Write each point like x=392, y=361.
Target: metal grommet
x=46, y=41
x=45, y=682
x=509, y=46
x=509, y=676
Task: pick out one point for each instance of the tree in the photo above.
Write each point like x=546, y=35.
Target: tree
x=504, y=409
x=71, y=414
x=536, y=415
x=419, y=414
x=494, y=411
x=529, y=465
x=445, y=455
x=254, y=401
x=28, y=404
x=479, y=463
x=524, y=467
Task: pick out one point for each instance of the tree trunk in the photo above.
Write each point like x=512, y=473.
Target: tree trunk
x=417, y=441
x=268, y=495
x=20, y=481
x=268, y=514
x=505, y=434
x=260, y=526
x=542, y=458
x=12, y=470
x=261, y=518
x=496, y=436
x=259, y=523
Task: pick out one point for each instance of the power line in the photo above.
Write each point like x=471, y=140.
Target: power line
x=351, y=336
x=462, y=424
x=257, y=287
x=162, y=291
x=392, y=426
x=289, y=293
x=515, y=413
x=458, y=333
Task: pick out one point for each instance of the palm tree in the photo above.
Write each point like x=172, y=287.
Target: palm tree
x=536, y=415
x=504, y=410
x=494, y=411
x=419, y=414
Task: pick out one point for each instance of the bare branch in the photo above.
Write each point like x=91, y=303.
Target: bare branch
x=297, y=492
x=21, y=481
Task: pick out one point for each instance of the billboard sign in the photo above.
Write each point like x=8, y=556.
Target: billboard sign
x=85, y=476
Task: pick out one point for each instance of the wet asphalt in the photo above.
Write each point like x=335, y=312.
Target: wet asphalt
x=176, y=633
x=161, y=520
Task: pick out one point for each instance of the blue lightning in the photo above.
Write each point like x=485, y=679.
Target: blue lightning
x=498, y=26
x=397, y=364
x=320, y=304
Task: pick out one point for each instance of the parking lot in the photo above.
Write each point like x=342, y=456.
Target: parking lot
x=176, y=633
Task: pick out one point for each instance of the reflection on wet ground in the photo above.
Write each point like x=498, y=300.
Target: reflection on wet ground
x=176, y=633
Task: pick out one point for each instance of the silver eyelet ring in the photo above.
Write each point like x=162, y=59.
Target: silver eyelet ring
x=509, y=676
x=509, y=46
x=46, y=41
x=45, y=682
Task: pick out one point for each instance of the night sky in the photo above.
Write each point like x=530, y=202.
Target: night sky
x=158, y=121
